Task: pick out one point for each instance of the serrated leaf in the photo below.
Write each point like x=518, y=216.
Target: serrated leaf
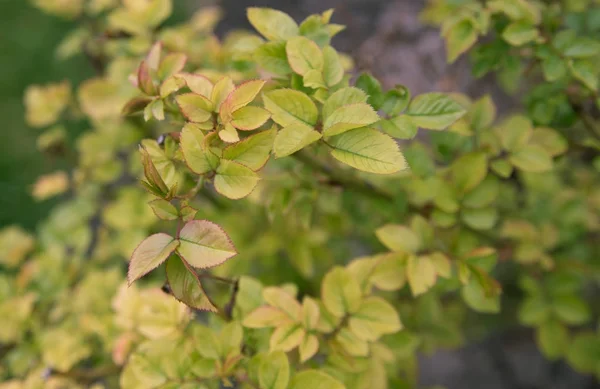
x=315, y=379
x=310, y=313
x=531, y=158
x=340, y=292
x=272, y=24
x=164, y=210
x=286, y=337
x=274, y=371
x=372, y=88
x=149, y=254
x=342, y=97
x=396, y=100
x=249, y=118
x=349, y=117
x=289, y=106
x=421, y=274
x=204, y=244
x=241, y=96
x=333, y=71
x=375, y=318
x=272, y=57
x=171, y=64
x=434, y=111
x=368, y=150
x=198, y=84
x=223, y=87
x=303, y=55
x=253, y=151
x=197, y=156
x=235, y=180
x=185, y=285
x=293, y=138
x=196, y=108
x=401, y=127
x=399, y=238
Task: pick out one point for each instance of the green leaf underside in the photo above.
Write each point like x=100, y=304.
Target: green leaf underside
x=204, y=244
x=150, y=254
x=185, y=285
x=368, y=150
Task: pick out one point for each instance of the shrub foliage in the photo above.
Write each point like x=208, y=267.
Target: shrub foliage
x=249, y=212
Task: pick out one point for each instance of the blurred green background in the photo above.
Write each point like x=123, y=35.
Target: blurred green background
x=27, y=42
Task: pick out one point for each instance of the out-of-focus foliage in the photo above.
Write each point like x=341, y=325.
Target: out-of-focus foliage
x=346, y=256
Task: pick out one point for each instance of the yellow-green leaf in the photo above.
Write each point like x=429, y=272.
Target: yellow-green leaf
x=421, y=274
x=333, y=71
x=315, y=379
x=520, y=32
x=150, y=254
x=164, y=210
x=253, y=151
x=294, y=137
x=272, y=57
x=469, y=170
x=198, y=157
x=340, y=292
x=434, y=111
x=274, y=371
x=531, y=158
x=399, y=238
x=342, y=97
x=308, y=347
x=196, y=108
x=249, y=118
x=368, y=150
x=375, y=318
x=235, y=180
x=204, y=244
x=272, y=24
x=288, y=106
x=286, y=337
x=303, y=55
x=349, y=117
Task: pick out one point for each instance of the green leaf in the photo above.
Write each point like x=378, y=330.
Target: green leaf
x=484, y=194
x=185, y=285
x=421, y=274
x=164, y=210
x=399, y=238
x=554, y=68
x=479, y=218
x=249, y=118
x=531, y=158
x=371, y=86
x=396, y=100
x=197, y=155
x=368, y=150
x=196, y=108
x=550, y=140
x=469, y=170
x=204, y=244
x=220, y=92
x=434, y=111
x=266, y=316
x=342, y=97
x=274, y=371
x=584, y=352
x=515, y=132
x=172, y=63
x=460, y=38
x=501, y=167
x=349, y=117
x=401, y=127
x=482, y=113
x=351, y=344
x=585, y=71
x=315, y=379
x=286, y=337
x=303, y=55
x=571, y=309
x=476, y=297
x=520, y=32
x=553, y=339
x=375, y=318
x=231, y=337
x=390, y=272
x=340, y=292
x=253, y=151
x=582, y=47
x=293, y=138
x=272, y=57
x=313, y=79
x=289, y=106
x=333, y=71
x=198, y=84
x=534, y=311
x=234, y=180
x=272, y=24
x=150, y=254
